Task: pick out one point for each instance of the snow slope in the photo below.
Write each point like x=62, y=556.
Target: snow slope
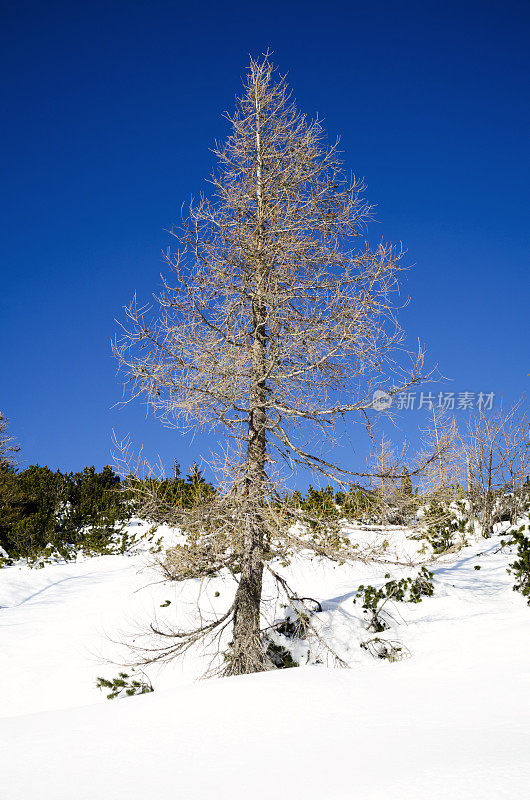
x=449, y=722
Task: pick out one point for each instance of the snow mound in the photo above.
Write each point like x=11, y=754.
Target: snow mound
x=307, y=733
x=450, y=722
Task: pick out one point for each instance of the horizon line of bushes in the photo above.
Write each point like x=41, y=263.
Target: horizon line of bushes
x=47, y=514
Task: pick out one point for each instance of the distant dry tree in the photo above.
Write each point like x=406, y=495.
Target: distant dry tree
x=436, y=469
x=277, y=322
x=515, y=442
x=497, y=454
x=441, y=478
x=388, y=469
x=8, y=447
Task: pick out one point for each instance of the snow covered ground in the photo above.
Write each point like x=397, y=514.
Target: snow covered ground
x=451, y=721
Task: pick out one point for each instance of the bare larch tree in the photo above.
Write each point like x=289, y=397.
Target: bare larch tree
x=516, y=445
x=278, y=318
x=497, y=454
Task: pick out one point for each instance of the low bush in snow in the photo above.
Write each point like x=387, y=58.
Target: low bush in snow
x=386, y=648
x=521, y=566
x=406, y=590
x=124, y=685
x=444, y=526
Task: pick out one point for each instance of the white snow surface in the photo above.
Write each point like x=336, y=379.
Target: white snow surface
x=449, y=722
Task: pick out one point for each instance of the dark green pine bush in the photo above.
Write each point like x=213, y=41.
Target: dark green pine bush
x=521, y=566
x=405, y=590
x=46, y=515
x=280, y=656
x=442, y=528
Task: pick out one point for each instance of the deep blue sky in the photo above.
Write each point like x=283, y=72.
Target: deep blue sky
x=109, y=111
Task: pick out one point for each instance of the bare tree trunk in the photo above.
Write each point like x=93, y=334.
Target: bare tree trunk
x=471, y=493
x=514, y=509
x=487, y=529
x=247, y=650
x=440, y=459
